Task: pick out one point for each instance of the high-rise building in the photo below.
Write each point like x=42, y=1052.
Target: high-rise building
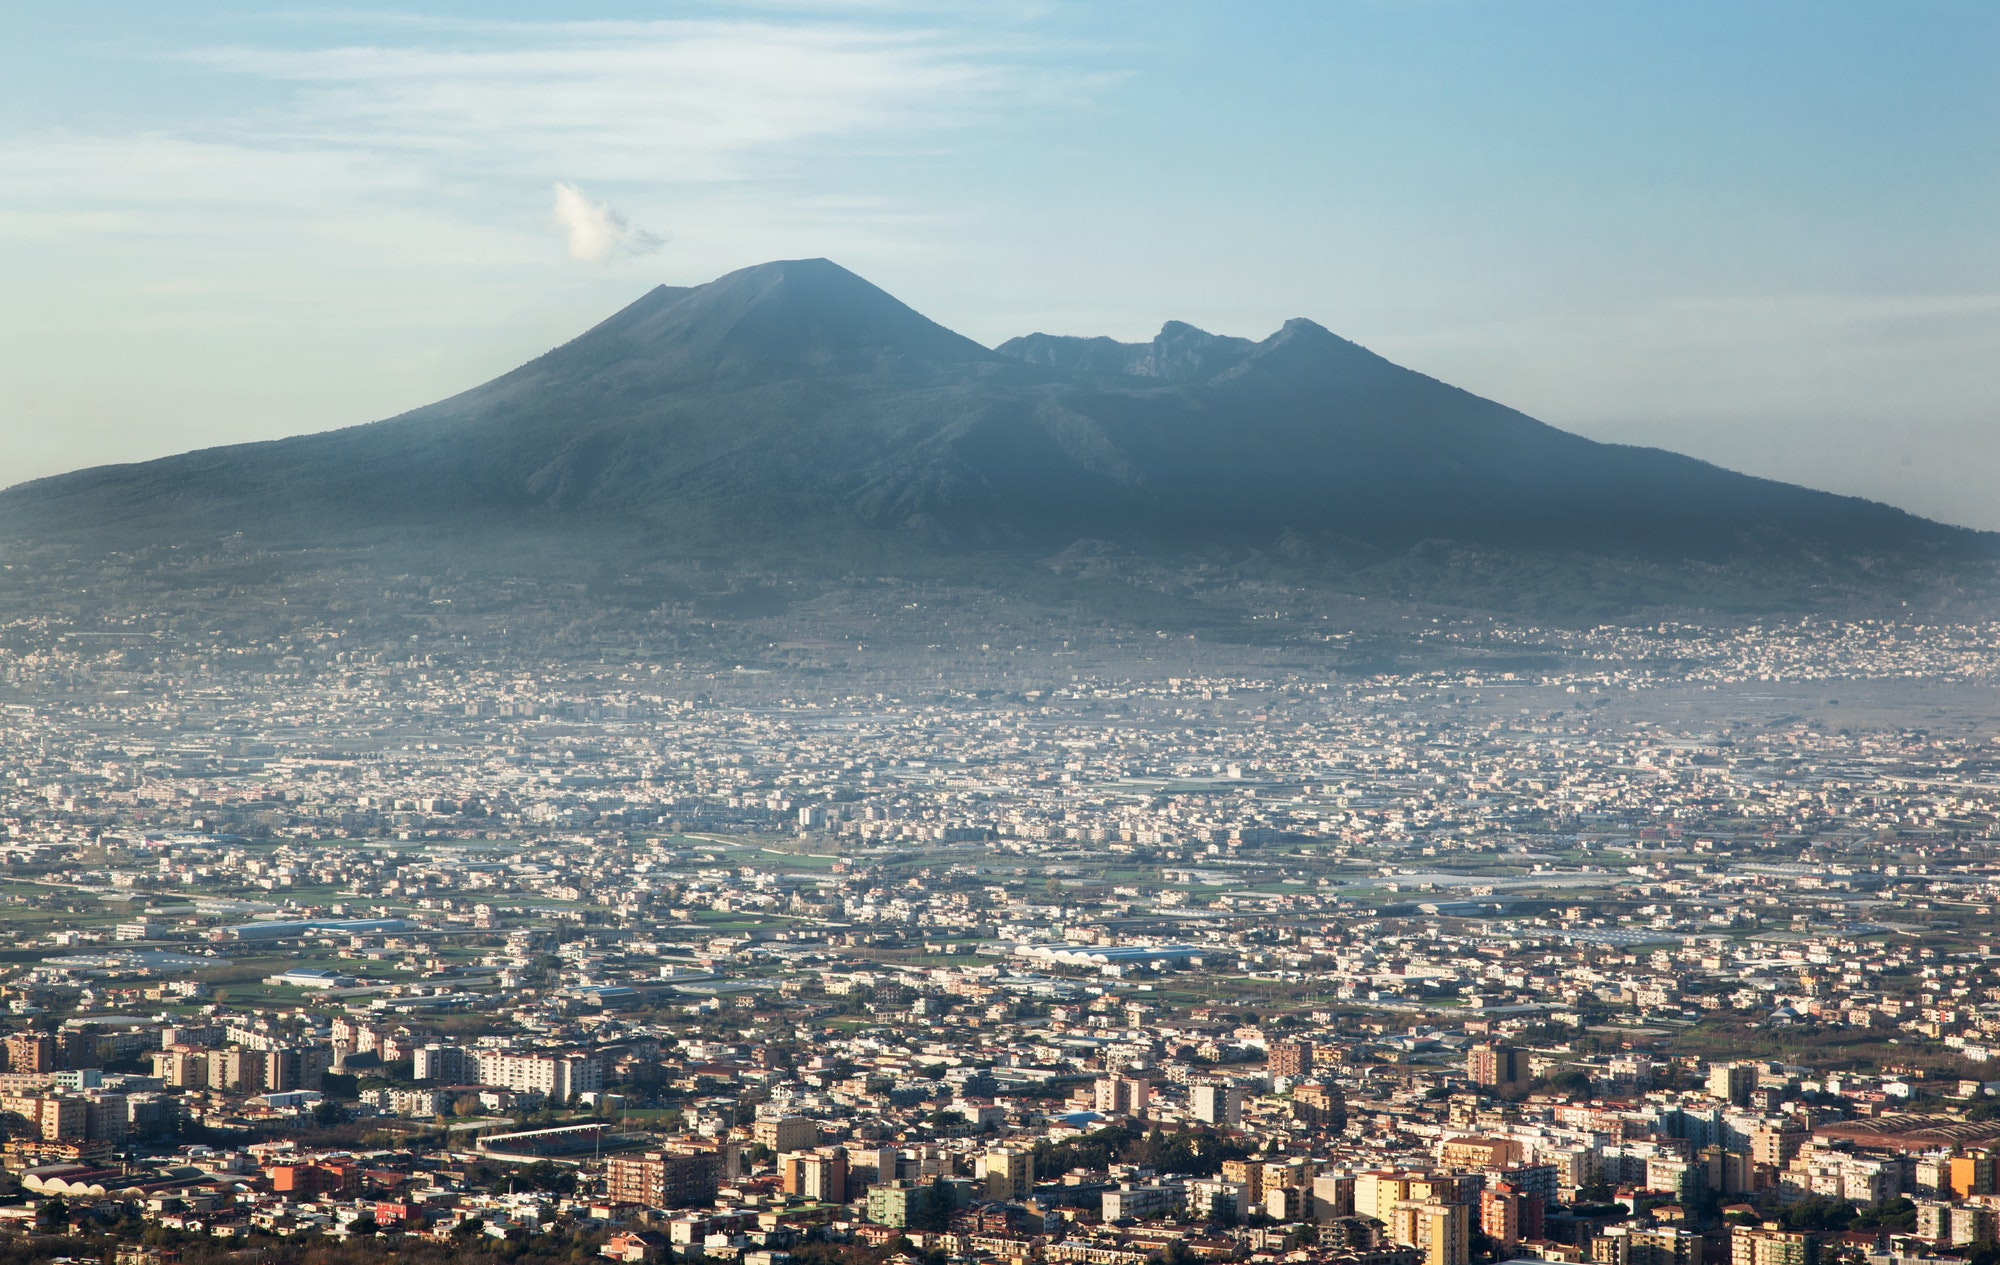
x=1315, y=1102
x=820, y=1176
x=106, y=1117
x=31, y=1052
x=1292, y=1174
x=1290, y=1058
x=1210, y=1198
x=556, y=1077
x=1218, y=1104
x=1286, y=1203
x=443, y=1064
x=237, y=1070
x=1666, y=1245
x=1494, y=1065
x=1441, y=1231
x=906, y=1203
x=76, y=1049
x=54, y=1118
x=878, y=1161
x=1332, y=1196
x=1775, y=1145
x=1478, y=1152
x=1534, y=1217
x=290, y=1067
x=1729, y=1172
x=1351, y=1234
x=1500, y=1215
x=1249, y=1174
x=1971, y=1223
x=672, y=1178
x=1971, y=1175
x=1684, y=1178
x=1770, y=1245
x=1010, y=1174
x=1732, y=1082
x=786, y=1133
x=190, y=1035
x=1506, y=1208
x=182, y=1068
x=893, y=1203
x=1123, y=1095
x=1639, y=1245
x=1375, y=1194
x=152, y=1115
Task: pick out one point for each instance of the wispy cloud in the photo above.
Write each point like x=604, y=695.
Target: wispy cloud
x=675, y=101
x=417, y=142
x=595, y=230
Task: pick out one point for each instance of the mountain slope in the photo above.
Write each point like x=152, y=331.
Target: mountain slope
x=794, y=410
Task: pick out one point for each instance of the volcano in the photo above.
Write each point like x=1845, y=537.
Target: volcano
x=794, y=412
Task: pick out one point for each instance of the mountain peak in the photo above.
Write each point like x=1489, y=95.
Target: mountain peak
x=1303, y=353
x=808, y=315
x=1308, y=337
x=1178, y=353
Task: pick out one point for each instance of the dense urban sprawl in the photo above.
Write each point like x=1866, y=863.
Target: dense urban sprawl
x=1667, y=946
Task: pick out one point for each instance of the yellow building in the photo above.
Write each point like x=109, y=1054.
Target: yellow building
x=1010, y=1174
x=1441, y=1231
x=1770, y=1245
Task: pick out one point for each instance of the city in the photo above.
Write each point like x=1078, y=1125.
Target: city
x=910, y=632
x=1675, y=948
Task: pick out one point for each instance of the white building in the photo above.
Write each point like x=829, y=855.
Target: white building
x=1218, y=1104
x=558, y=1078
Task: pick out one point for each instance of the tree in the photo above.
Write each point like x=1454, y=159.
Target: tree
x=1574, y=1082
x=934, y=1213
x=1819, y=1213
x=1703, y=1205
x=53, y=1214
x=1897, y=1214
x=547, y=1177
x=1593, y=1192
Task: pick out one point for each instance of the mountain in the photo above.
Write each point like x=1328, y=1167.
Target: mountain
x=794, y=413
x=1179, y=353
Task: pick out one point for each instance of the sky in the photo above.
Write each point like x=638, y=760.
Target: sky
x=1763, y=233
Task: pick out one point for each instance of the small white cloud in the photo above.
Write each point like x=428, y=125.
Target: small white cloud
x=596, y=231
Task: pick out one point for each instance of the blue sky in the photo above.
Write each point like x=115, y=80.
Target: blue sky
x=1767, y=234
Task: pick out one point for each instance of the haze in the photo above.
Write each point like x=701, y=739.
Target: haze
x=1761, y=235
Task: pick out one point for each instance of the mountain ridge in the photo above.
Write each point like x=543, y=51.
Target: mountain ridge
x=795, y=409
